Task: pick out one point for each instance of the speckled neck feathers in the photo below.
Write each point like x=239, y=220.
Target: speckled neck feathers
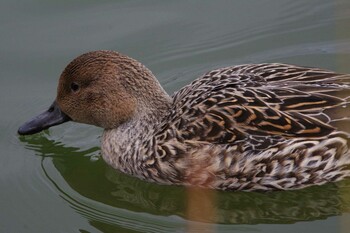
x=126, y=146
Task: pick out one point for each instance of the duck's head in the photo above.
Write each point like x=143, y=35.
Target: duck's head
x=102, y=88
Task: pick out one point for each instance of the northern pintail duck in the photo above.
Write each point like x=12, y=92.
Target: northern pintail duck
x=245, y=127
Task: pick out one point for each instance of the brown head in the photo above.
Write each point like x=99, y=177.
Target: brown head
x=102, y=88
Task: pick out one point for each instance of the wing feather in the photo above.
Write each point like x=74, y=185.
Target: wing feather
x=249, y=102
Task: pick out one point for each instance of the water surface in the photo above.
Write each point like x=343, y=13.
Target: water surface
x=56, y=181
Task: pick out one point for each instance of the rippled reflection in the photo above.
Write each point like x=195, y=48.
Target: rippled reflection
x=108, y=198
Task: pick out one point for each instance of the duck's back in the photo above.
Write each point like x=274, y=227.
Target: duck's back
x=265, y=126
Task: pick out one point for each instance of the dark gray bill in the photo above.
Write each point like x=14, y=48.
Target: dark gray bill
x=53, y=116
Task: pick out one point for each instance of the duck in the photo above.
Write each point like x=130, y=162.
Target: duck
x=251, y=127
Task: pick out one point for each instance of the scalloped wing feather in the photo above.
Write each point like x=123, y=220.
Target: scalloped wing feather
x=234, y=103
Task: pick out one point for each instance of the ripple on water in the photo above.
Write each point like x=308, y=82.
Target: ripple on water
x=271, y=39
x=106, y=197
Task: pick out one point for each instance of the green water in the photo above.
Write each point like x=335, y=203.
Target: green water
x=56, y=181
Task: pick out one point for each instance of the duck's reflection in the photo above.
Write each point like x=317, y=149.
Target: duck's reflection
x=98, y=182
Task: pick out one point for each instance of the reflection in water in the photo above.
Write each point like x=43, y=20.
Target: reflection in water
x=125, y=201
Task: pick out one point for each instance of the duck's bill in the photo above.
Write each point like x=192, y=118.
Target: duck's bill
x=53, y=116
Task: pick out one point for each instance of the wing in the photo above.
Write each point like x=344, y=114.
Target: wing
x=251, y=102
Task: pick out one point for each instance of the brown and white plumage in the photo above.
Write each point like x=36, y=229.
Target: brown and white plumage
x=273, y=126
x=246, y=127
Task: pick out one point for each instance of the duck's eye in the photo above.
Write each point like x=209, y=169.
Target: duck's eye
x=74, y=86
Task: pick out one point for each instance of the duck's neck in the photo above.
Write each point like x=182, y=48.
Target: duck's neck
x=126, y=146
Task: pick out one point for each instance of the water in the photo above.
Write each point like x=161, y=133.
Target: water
x=56, y=181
